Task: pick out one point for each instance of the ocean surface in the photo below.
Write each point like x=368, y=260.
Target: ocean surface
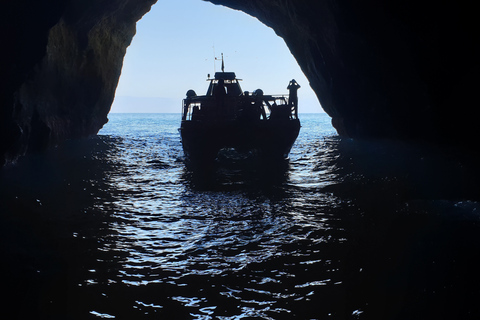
x=116, y=227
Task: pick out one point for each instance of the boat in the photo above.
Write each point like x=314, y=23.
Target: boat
x=228, y=118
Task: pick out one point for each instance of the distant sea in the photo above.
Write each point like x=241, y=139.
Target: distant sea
x=116, y=227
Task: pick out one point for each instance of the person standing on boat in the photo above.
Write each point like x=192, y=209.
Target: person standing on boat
x=258, y=105
x=186, y=104
x=219, y=94
x=293, y=86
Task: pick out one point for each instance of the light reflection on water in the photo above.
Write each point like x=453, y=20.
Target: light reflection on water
x=116, y=227
x=247, y=245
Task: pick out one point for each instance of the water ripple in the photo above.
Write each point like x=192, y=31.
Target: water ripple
x=345, y=230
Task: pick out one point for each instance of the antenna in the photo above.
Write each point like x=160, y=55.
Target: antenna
x=214, y=58
x=223, y=65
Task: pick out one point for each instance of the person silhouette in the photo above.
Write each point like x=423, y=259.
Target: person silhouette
x=186, y=104
x=293, y=87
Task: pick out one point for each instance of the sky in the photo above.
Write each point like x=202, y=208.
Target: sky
x=174, y=50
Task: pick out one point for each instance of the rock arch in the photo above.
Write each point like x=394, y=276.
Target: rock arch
x=396, y=69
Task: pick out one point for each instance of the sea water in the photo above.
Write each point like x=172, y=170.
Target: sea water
x=116, y=227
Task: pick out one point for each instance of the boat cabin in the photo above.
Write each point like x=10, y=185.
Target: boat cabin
x=230, y=81
x=225, y=101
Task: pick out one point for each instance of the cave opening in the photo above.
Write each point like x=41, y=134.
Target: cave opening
x=176, y=45
x=114, y=226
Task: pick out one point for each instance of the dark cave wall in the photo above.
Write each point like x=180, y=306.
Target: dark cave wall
x=22, y=49
x=62, y=70
x=382, y=69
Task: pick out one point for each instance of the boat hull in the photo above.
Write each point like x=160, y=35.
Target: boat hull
x=271, y=139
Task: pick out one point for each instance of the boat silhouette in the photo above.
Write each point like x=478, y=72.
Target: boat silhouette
x=228, y=118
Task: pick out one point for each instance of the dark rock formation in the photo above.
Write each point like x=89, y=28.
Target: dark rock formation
x=388, y=69
x=61, y=68
x=381, y=69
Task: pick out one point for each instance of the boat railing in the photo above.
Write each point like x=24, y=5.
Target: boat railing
x=265, y=107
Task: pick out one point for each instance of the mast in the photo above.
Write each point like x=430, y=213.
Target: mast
x=223, y=65
x=215, y=58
